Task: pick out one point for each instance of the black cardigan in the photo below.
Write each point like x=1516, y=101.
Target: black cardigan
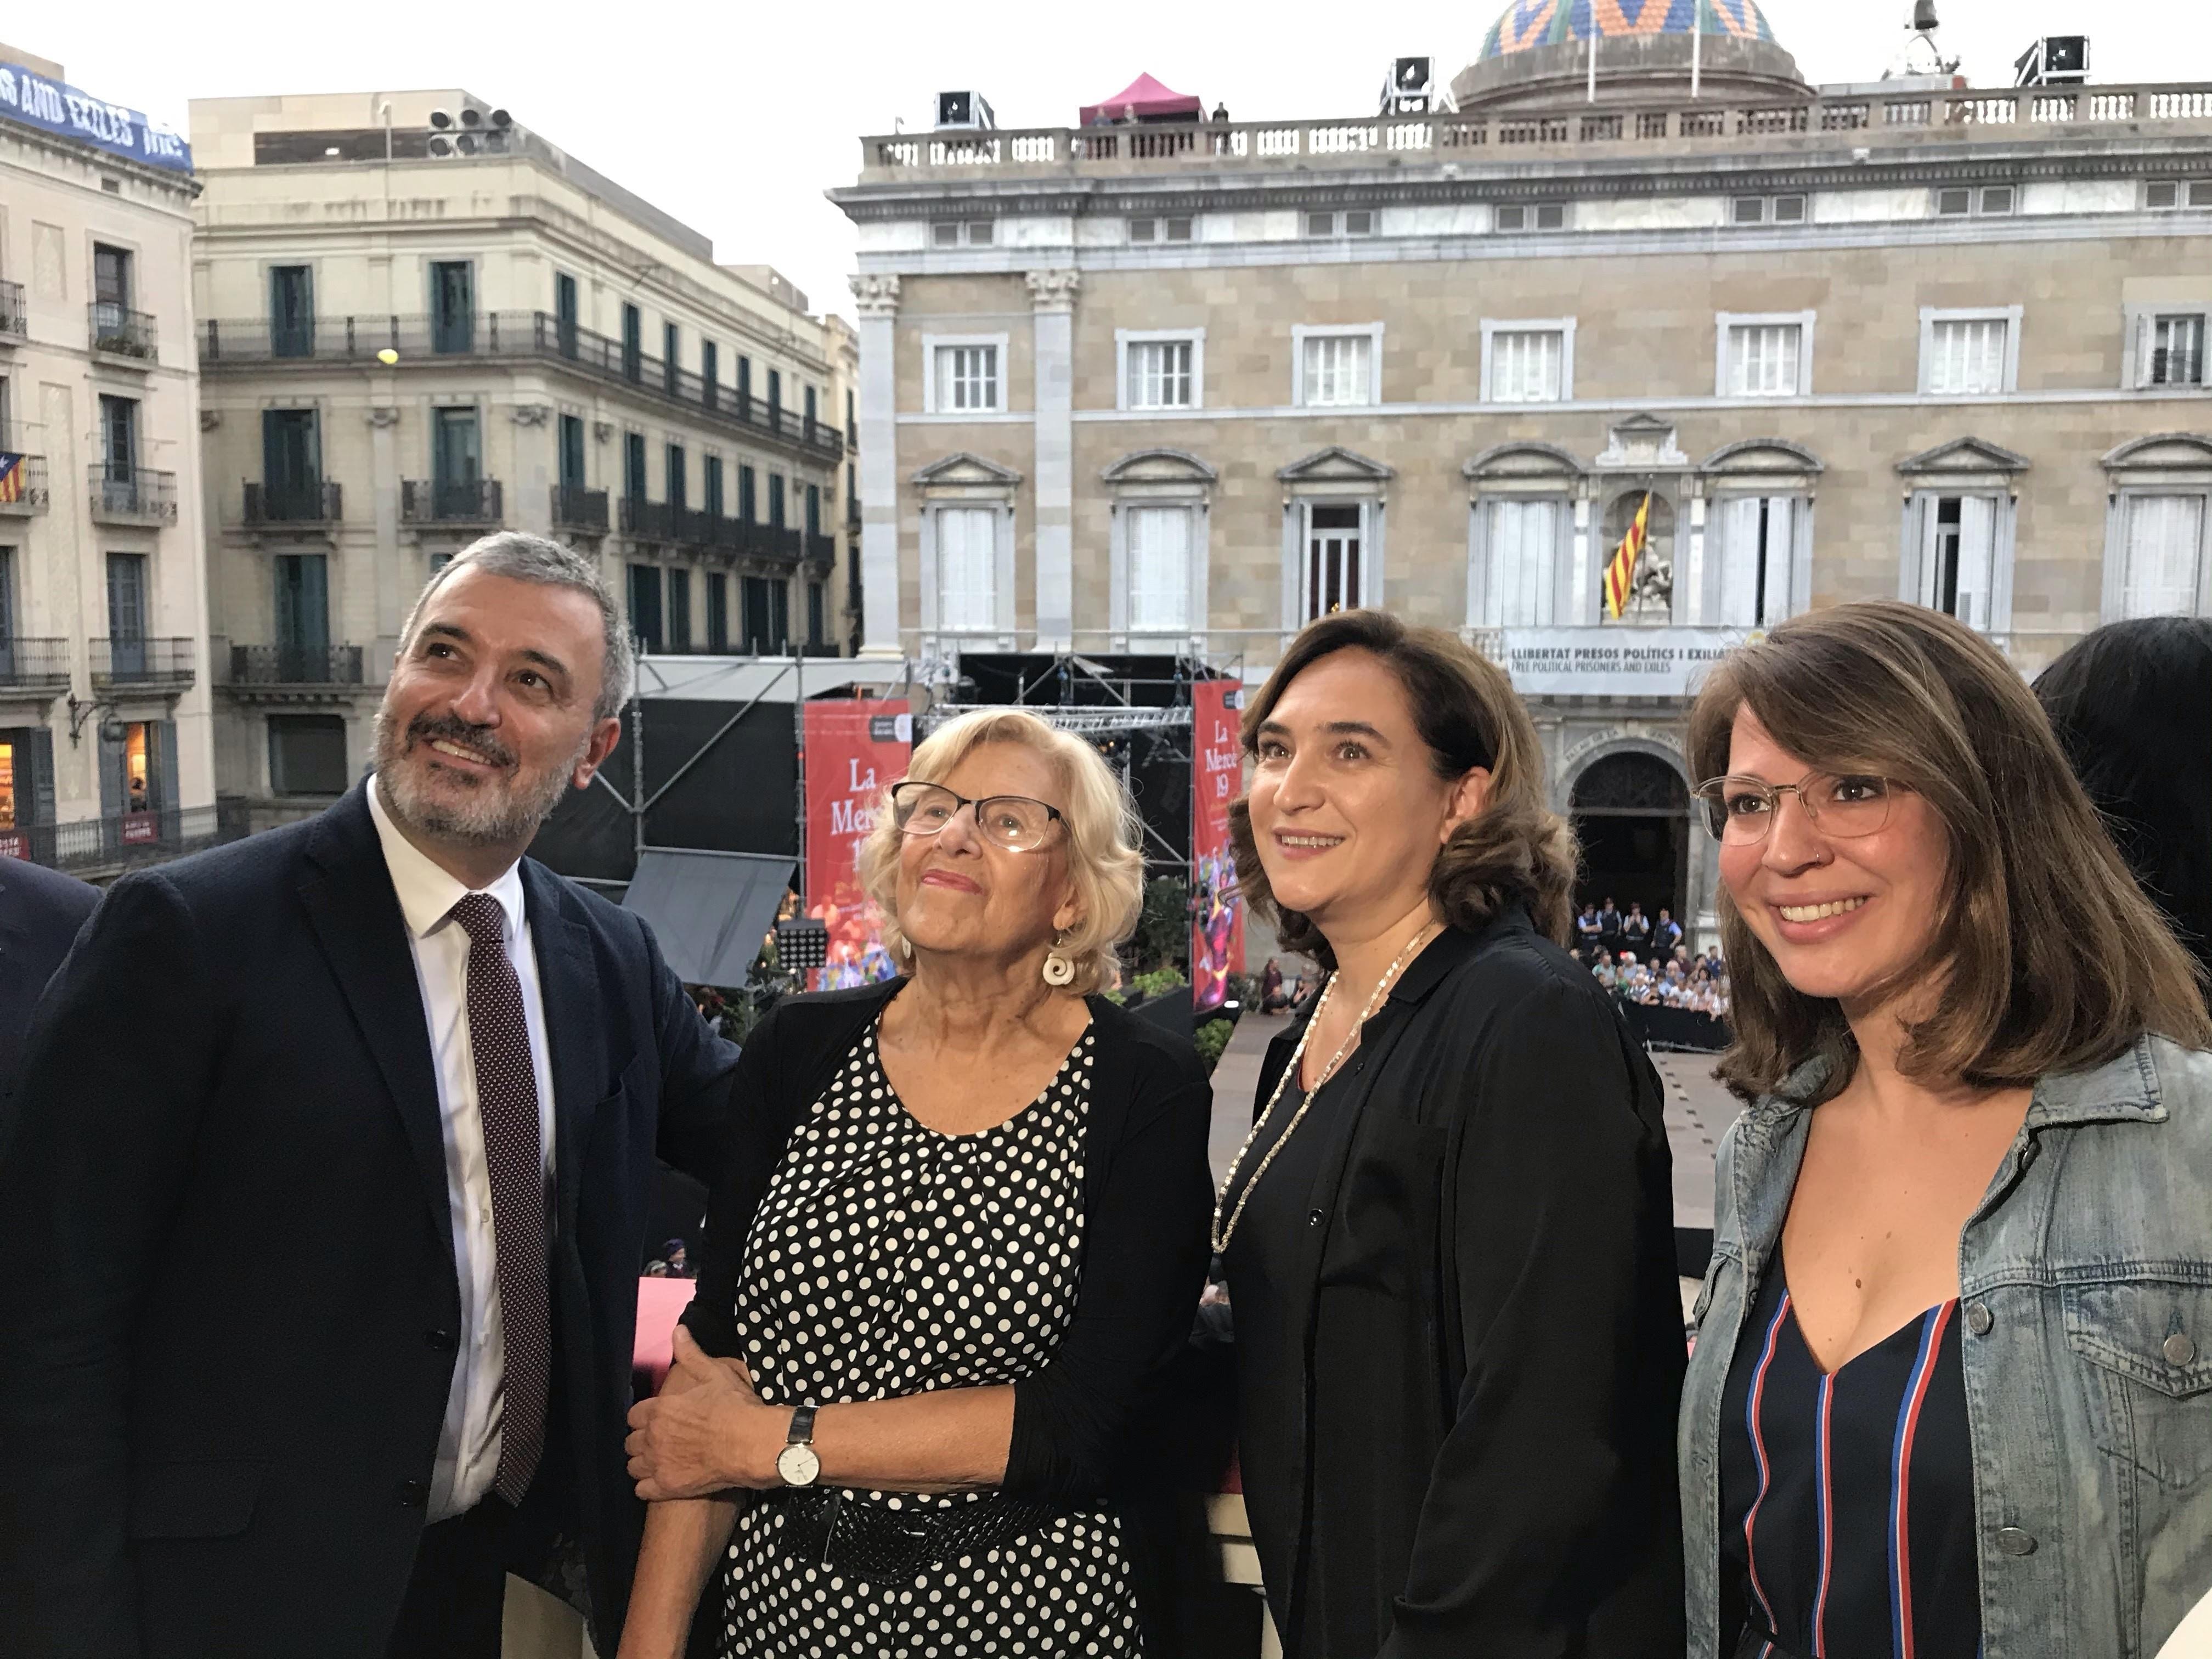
x=1478, y=1375
x=1146, y=1201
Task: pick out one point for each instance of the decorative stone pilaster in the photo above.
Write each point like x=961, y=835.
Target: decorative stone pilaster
x=876, y=297
x=1052, y=300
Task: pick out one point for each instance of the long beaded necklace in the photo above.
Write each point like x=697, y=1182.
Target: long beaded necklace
x=1222, y=1233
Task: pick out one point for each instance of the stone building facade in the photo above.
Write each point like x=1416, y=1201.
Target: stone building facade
x=413, y=333
x=106, y=746
x=1185, y=387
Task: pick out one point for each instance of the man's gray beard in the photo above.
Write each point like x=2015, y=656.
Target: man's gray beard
x=496, y=817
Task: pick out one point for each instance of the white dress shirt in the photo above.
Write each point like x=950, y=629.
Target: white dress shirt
x=468, y=1444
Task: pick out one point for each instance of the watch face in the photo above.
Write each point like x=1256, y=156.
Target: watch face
x=799, y=1466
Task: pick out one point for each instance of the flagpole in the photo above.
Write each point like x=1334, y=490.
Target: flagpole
x=1696, y=42
x=1593, y=54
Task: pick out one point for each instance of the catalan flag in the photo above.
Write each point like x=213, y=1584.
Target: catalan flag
x=1621, y=571
x=11, y=476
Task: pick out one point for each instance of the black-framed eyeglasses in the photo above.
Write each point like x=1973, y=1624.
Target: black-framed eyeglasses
x=1014, y=822
x=1843, y=805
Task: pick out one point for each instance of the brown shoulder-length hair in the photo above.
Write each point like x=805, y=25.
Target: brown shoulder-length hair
x=1516, y=851
x=2050, y=957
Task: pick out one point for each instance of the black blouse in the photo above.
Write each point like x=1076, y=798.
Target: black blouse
x=1146, y=1195
x=1266, y=1300
x=1459, y=1362
x=1847, y=1498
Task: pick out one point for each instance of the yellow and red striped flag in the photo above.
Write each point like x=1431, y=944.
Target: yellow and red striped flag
x=1621, y=571
x=11, y=478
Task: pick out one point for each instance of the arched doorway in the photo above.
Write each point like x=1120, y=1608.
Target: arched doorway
x=1631, y=814
x=1651, y=600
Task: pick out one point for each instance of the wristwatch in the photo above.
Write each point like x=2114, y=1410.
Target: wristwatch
x=797, y=1462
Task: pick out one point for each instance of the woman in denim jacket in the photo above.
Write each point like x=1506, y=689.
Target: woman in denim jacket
x=1952, y=1390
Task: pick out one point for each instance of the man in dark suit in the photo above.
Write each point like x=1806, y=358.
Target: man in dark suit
x=441, y=1074
x=40, y=910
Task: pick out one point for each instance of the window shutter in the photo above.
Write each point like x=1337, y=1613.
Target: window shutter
x=162, y=765
x=1925, y=577
x=2165, y=533
x=966, y=566
x=39, y=741
x=114, y=791
x=1739, y=556
x=1523, y=536
x=1160, y=568
x=1978, y=525
x=1781, y=542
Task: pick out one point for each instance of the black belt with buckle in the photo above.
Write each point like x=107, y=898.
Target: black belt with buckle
x=823, y=1526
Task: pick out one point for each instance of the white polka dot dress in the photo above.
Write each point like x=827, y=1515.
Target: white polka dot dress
x=887, y=1260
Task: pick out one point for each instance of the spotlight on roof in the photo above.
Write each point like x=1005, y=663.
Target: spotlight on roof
x=501, y=120
x=2054, y=60
x=440, y=120
x=472, y=117
x=1410, y=88
x=964, y=109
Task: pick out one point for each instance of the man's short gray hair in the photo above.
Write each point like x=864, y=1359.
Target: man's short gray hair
x=527, y=558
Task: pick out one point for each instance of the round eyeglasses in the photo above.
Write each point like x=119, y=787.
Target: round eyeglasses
x=1013, y=822
x=1841, y=805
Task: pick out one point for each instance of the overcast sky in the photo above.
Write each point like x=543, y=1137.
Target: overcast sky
x=735, y=118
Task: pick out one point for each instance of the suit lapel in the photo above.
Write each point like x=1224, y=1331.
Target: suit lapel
x=356, y=916
x=575, y=1026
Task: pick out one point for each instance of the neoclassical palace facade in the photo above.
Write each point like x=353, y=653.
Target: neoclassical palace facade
x=1180, y=388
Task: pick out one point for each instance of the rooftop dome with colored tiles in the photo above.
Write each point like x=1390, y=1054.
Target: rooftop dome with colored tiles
x=1529, y=23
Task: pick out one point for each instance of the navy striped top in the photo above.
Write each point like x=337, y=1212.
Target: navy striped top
x=1847, y=1498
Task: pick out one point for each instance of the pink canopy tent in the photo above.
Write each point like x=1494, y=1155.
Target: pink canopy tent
x=1152, y=100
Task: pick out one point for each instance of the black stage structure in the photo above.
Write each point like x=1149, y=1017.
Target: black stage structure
x=1135, y=709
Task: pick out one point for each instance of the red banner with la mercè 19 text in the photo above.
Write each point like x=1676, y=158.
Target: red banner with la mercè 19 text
x=855, y=750
x=1216, y=770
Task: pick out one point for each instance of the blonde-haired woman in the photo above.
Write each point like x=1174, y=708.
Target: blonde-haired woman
x=963, y=1239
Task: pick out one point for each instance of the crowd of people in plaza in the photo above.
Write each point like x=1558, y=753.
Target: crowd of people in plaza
x=943, y=1388
x=1682, y=981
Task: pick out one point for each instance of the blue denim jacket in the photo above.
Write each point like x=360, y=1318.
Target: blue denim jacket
x=2085, y=1284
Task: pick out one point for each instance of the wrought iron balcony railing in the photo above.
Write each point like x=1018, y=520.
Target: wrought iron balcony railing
x=35, y=663
x=120, y=331
x=295, y=665
x=124, y=839
x=651, y=521
x=142, y=662
x=474, y=501
x=14, y=321
x=537, y=334
x=578, y=508
x=123, y=495
x=310, y=503
x=23, y=488
x=821, y=548
x=712, y=532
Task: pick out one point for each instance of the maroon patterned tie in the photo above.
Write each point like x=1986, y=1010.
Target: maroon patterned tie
x=506, y=1100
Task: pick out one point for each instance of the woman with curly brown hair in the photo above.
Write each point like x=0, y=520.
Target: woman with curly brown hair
x=1449, y=1238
